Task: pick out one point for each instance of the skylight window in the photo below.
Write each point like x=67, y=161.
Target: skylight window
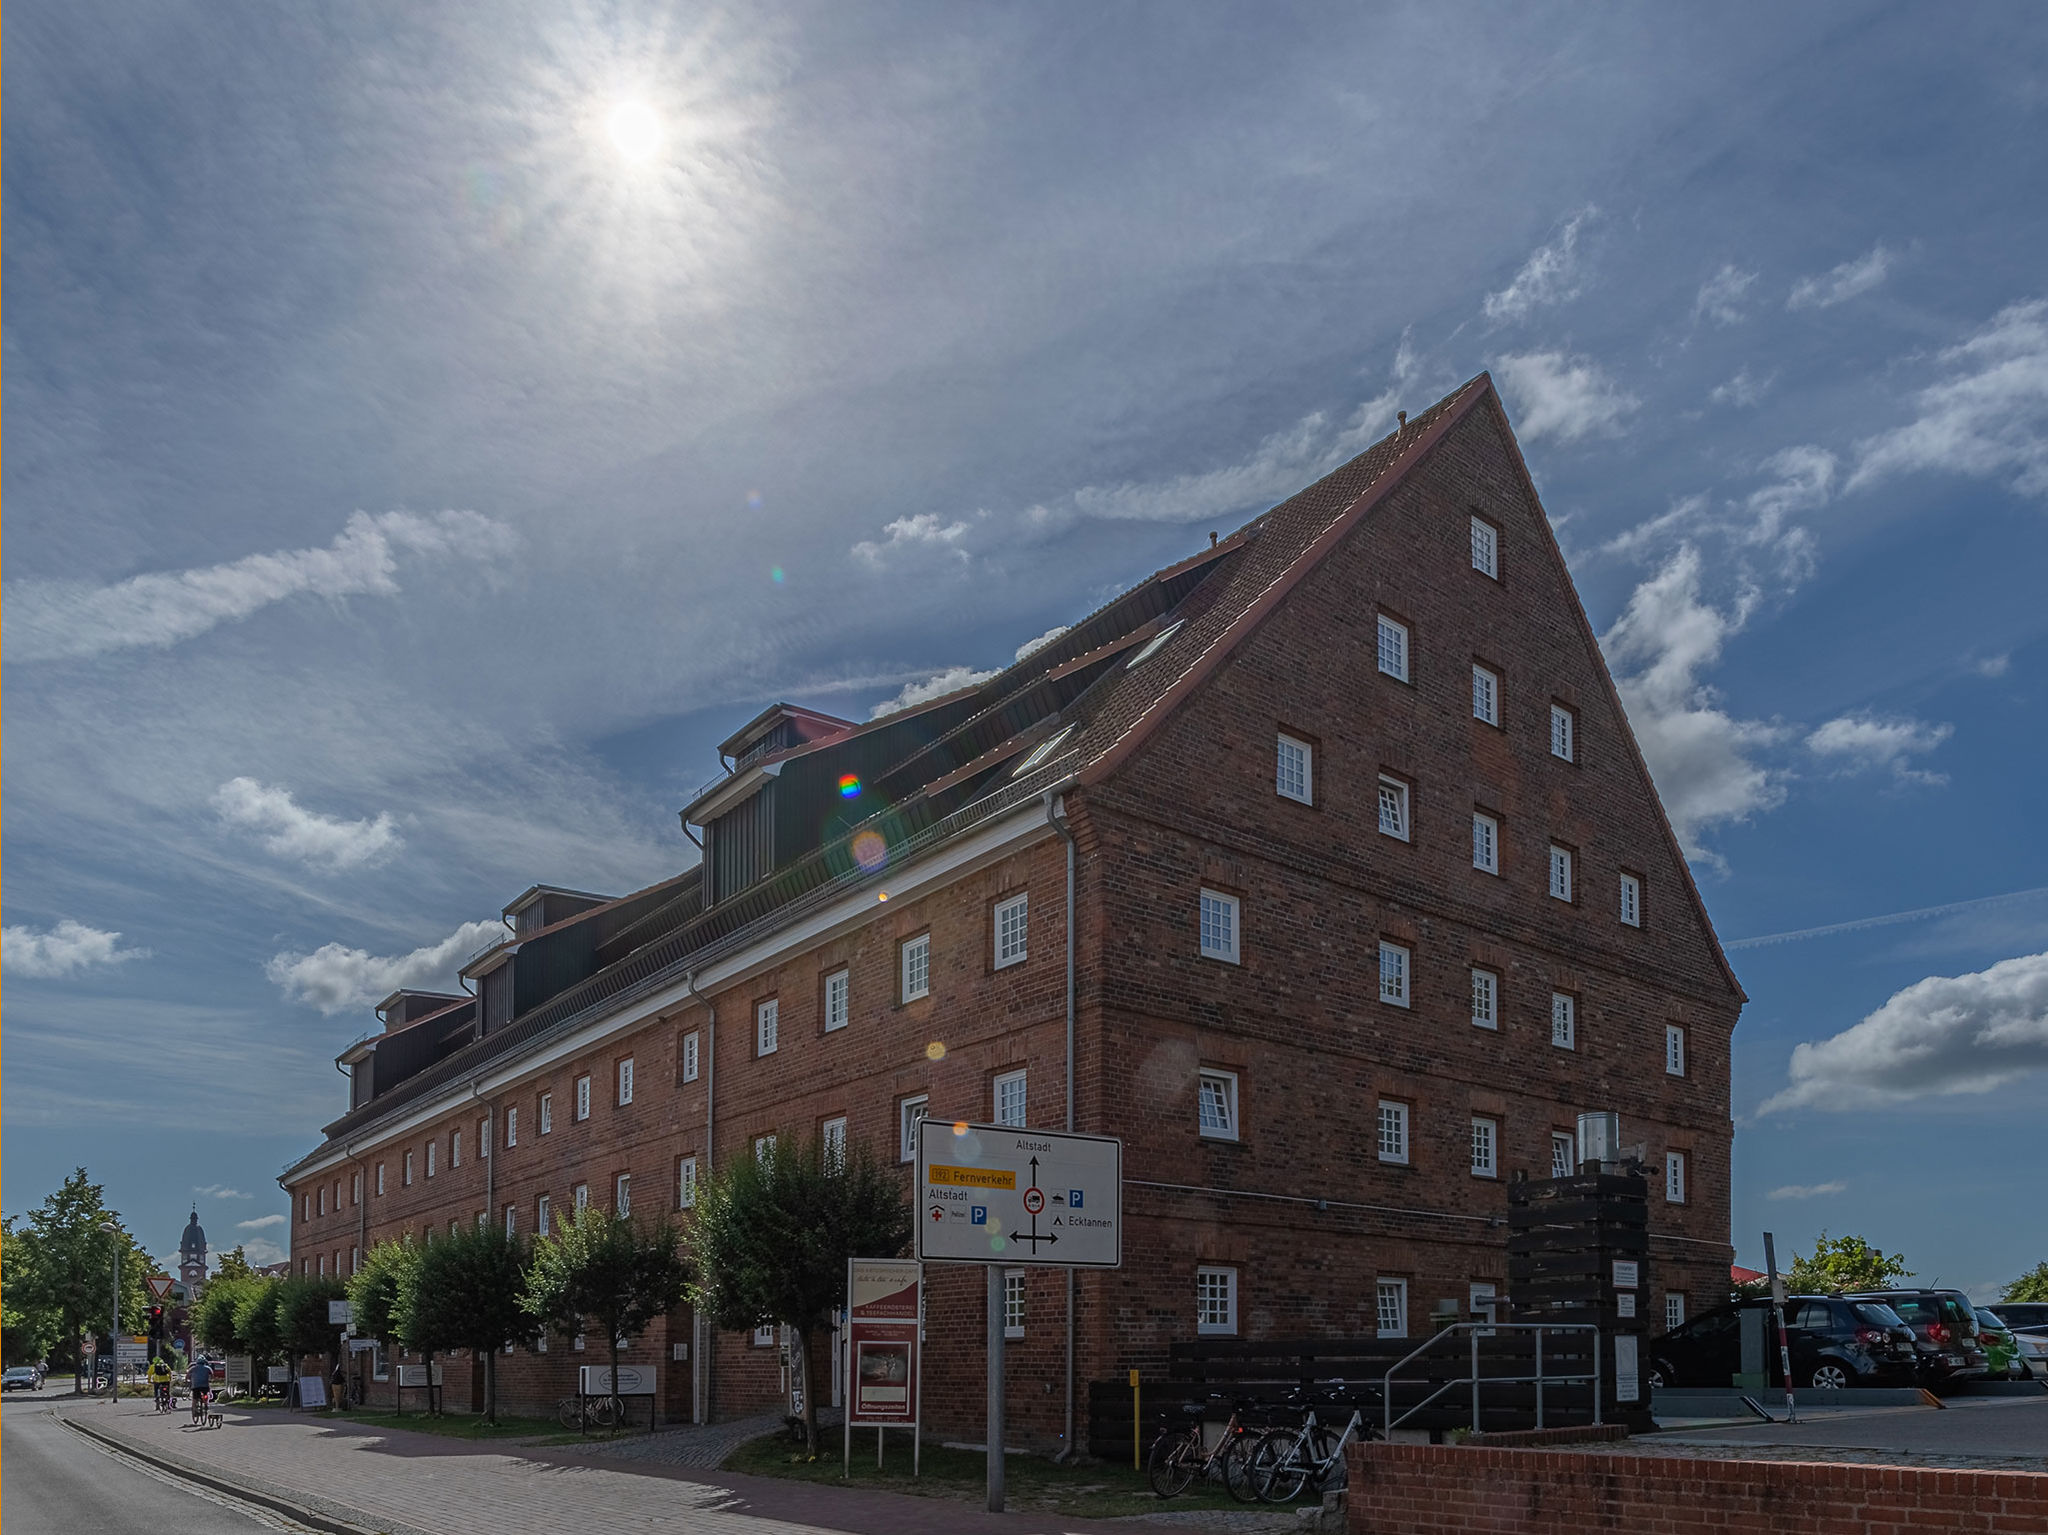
x=1153, y=645
x=1043, y=750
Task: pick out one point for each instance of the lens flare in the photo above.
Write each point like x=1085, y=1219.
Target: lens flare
x=870, y=851
x=935, y=1051
x=959, y=1127
x=849, y=787
x=775, y=574
x=754, y=499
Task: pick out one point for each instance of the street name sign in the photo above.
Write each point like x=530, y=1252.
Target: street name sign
x=996, y=1194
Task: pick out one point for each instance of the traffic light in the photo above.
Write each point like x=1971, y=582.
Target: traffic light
x=156, y=1324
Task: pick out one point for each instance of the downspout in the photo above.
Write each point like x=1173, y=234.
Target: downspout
x=700, y=1361
x=1056, y=818
x=489, y=1361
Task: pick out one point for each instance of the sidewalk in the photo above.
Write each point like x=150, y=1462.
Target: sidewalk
x=423, y=1484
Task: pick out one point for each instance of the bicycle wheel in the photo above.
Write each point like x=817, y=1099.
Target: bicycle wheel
x=1278, y=1472
x=1236, y=1458
x=570, y=1411
x=1172, y=1464
x=1331, y=1471
x=604, y=1411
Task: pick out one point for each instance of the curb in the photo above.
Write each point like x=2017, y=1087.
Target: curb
x=215, y=1483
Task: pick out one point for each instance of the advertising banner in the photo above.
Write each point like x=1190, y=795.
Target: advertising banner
x=883, y=1314
x=634, y=1380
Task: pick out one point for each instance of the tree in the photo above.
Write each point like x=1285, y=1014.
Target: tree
x=219, y=1305
x=68, y=1262
x=302, y=1324
x=465, y=1292
x=256, y=1321
x=374, y=1289
x=773, y=1233
x=235, y=1266
x=26, y=1330
x=600, y=1273
x=1846, y=1263
x=2032, y=1285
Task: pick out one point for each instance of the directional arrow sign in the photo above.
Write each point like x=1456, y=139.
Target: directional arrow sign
x=160, y=1286
x=997, y=1194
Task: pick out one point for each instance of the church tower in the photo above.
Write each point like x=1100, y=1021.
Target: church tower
x=192, y=1257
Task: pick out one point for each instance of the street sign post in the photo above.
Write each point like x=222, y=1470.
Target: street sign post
x=1005, y=1197
x=884, y=1363
x=160, y=1286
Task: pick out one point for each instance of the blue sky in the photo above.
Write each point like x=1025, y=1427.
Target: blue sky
x=406, y=484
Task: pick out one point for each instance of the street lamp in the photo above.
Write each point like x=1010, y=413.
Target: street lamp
x=114, y=1336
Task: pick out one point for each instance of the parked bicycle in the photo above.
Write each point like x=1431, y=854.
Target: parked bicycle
x=581, y=1412
x=1285, y=1460
x=1180, y=1454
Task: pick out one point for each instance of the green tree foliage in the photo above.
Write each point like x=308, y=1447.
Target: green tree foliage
x=26, y=1330
x=374, y=1289
x=773, y=1234
x=2032, y=1285
x=600, y=1273
x=302, y=1323
x=256, y=1321
x=217, y=1314
x=464, y=1291
x=235, y=1265
x=67, y=1265
x=1846, y=1263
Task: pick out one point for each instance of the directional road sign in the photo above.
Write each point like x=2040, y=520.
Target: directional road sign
x=997, y=1194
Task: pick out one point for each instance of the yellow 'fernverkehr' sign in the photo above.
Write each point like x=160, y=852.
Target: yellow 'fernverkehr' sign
x=971, y=1177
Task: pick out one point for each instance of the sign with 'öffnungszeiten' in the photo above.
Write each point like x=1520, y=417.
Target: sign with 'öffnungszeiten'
x=998, y=1194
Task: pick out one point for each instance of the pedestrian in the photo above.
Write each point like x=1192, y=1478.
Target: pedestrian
x=200, y=1379
x=340, y=1402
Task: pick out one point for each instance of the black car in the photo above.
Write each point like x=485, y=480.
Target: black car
x=2020, y=1315
x=1835, y=1342
x=1945, y=1326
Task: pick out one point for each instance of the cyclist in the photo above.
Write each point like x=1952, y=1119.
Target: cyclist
x=160, y=1381
x=200, y=1379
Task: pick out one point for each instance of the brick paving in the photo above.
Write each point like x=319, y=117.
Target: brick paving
x=402, y=1483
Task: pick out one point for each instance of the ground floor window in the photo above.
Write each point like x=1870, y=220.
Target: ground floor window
x=1215, y=1301
x=1393, y=1308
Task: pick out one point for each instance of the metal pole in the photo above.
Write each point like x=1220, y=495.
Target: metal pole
x=1475, y=1380
x=1597, y=1382
x=1539, y=1377
x=114, y=1337
x=1784, y=1343
x=995, y=1389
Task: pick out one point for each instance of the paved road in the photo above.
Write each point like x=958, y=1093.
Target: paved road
x=1978, y=1426
x=57, y=1483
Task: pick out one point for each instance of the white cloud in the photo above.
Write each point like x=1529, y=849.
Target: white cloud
x=1844, y=282
x=925, y=531
x=258, y=1224
x=938, y=685
x=1720, y=296
x=1807, y=1190
x=291, y=831
x=1558, y=395
x=64, y=949
x=1549, y=276
x=1032, y=647
x=1993, y=666
x=336, y=979
x=1988, y=419
x=1859, y=742
x=1745, y=389
x=217, y=1191
x=1936, y=1038
x=261, y=1252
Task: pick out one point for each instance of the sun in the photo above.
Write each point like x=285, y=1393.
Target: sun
x=635, y=130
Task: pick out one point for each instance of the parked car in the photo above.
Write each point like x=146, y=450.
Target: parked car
x=2001, y=1347
x=1835, y=1342
x=2023, y=1314
x=19, y=1377
x=1945, y=1325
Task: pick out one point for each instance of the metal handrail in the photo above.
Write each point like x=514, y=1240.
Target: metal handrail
x=1476, y=1331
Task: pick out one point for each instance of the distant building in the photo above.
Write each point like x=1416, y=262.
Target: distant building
x=192, y=1256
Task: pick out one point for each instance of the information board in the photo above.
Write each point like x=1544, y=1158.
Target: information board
x=884, y=1305
x=595, y=1380
x=995, y=1194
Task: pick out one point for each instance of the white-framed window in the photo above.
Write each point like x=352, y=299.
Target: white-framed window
x=1393, y=636
x=1485, y=548
x=686, y=1184
x=1393, y=1124
x=483, y=1138
x=322, y=1262
x=910, y=1114
x=454, y=1149
x=764, y=1148
x=625, y=1081
x=1674, y=1310
x=1674, y=1050
x=511, y=1220
x=582, y=1098
x=512, y=1125
x=1008, y=1095
x=690, y=1056
x=1215, y=1301
x=540, y=1216
x=917, y=967
x=832, y=1142
x=764, y=1335
x=1560, y=872
x=838, y=997
x=1294, y=772
x=406, y=1176
x=547, y=1113
x=1485, y=1147
x=430, y=1173
x=380, y=1179
x=1485, y=694
x=1564, y=1154
x=576, y=1343
x=1564, y=1020
x=1674, y=1177
x=1216, y=1105
x=355, y=1189
x=1564, y=733
x=1393, y=808
x=579, y=1196
x=355, y=1260
x=1394, y=964
x=1219, y=926
x=1485, y=843
x=1391, y=1307
x=1013, y=1303
x=1012, y=928
x=767, y=1026
x=1631, y=901
x=622, y=1194
x=1485, y=999
x=433, y=1148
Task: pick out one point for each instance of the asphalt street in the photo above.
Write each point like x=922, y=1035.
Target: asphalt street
x=1968, y=1426
x=54, y=1480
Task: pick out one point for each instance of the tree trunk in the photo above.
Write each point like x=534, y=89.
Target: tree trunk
x=618, y=1404
x=77, y=1363
x=491, y=1386
x=802, y=1370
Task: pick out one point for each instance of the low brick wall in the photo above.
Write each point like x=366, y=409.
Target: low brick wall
x=1419, y=1489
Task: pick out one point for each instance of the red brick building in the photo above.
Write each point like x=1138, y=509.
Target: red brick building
x=1325, y=856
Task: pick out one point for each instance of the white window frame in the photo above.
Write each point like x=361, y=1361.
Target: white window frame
x=1391, y=1137
x=1393, y=648
x=543, y=1213
x=1014, y=1293
x=511, y=1220
x=1563, y=1141
x=622, y=1194
x=380, y=1180
x=582, y=1098
x=910, y=1113
x=1631, y=901
x=1564, y=1020
x=483, y=1138
x=838, y=999
x=1674, y=1050
x=767, y=1026
x=547, y=1113
x=1486, y=988
x=764, y=1335
x=355, y=1188
x=511, y=1125
x=1674, y=1310
x=690, y=1046
x=1397, y=962
x=1011, y=930
x=1485, y=1146
x=1215, y=1301
x=433, y=1159
x=322, y=1193
x=454, y=1150
x=915, y=967
x=1005, y=1085
x=1486, y=695
x=1560, y=873
x=1485, y=842
x=832, y=1142
x=686, y=1184
x=1485, y=548
x=1390, y=1298
x=1220, y=926
x=1217, y=1087
x=1294, y=769
x=1395, y=811
x=764, y=1147
x=1564, y=733
x=625, y=1075
x=405, y=1178
x=1674, y=1178
x=579, y=1196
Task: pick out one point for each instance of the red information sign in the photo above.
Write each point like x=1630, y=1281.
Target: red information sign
x=884, y=1304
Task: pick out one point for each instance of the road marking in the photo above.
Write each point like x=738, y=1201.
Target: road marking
x=268, y=1518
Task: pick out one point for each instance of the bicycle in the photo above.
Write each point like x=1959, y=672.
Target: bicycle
x=1179, y=1455
x=1287, y=1459
x=581, y=1412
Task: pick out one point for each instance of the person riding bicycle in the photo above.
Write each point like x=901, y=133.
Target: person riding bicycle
x=200, y=1379
x=160, y=1378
